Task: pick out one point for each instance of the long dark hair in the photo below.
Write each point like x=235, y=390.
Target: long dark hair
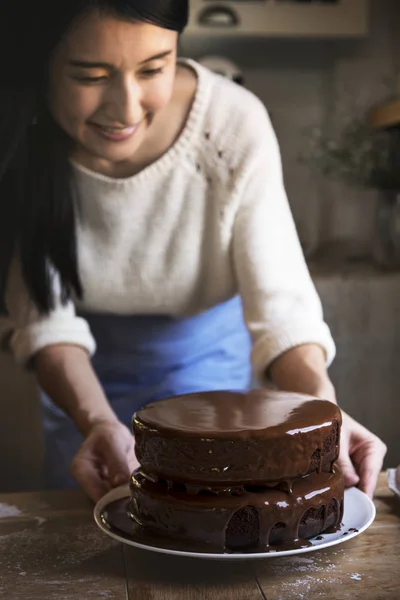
x=37, y=219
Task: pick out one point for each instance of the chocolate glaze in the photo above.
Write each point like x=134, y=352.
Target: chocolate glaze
x=229, y=437
x=315, y=504
x=116, y=518
x=243, y=414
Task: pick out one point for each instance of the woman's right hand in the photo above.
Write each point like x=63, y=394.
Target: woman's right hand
x=106, y=458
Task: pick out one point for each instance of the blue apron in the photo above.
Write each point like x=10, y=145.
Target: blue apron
x=142, y=359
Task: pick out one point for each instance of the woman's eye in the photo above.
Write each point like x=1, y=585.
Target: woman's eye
x=152, y=72
x=92, y=79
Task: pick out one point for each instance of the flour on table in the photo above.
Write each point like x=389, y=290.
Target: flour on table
x=6, y=510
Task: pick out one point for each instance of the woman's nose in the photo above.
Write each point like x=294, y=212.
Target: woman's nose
x=125, y=102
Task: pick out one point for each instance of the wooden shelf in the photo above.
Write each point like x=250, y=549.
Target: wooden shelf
x=387, y=115
x=276, y=19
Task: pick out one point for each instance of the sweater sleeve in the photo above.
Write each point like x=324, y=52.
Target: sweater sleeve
x=32, y=331
x=281, y=306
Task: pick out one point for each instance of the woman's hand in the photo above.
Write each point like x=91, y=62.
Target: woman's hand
x=106, y=458
x=361, y=455
x=361, y=451
x=303, y=370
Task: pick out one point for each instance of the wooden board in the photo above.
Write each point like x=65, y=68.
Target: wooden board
x=276, y=19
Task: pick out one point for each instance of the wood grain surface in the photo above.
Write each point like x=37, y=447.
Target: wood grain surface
x=50, y=548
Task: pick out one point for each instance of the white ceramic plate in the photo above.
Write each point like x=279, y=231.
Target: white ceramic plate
x=359, y=513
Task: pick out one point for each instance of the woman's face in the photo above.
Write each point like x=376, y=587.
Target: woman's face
x=108, y=80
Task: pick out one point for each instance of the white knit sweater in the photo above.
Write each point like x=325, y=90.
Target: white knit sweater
x=207, y=220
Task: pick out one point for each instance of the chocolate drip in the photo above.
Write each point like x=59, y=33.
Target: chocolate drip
x=220, y=490
x=206, y=519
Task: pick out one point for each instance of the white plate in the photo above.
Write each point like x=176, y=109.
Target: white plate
x=359, y=513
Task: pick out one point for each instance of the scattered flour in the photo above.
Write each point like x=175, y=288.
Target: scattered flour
x=65, y=582
x=6, y=510
x=4, y=538
x=301, y=560
x=300, y=588
x=310, y=575
x=40, y=521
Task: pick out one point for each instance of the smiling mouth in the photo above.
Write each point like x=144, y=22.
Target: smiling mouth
x=115, y=133
x=116, y=129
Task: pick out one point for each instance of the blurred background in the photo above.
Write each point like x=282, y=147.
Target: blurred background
x=329, y=73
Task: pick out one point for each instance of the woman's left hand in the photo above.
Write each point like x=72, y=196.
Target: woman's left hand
x=303, y=369
x=361, y=455
x=361, y=451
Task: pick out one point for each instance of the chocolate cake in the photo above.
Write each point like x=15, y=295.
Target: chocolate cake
x=238, y=471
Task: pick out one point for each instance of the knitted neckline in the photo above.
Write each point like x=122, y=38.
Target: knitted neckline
x=178, y=148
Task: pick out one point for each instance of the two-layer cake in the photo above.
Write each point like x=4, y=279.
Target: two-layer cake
x=238, y=471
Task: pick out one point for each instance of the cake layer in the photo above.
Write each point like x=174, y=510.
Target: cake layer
x=252, y=521
x=245, y=437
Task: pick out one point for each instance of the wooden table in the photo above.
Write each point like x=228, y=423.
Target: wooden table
x=51, y=549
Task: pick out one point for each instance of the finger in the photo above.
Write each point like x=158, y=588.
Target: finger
x=120, y=461
x=351, y=478
x=346, y=464
x=134, y=463
x=370, y=462
x=369, y=480
x=88, y=475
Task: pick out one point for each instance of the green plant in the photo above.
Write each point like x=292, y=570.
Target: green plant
x=356, y=153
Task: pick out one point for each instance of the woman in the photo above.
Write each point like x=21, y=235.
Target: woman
x=142, y=207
